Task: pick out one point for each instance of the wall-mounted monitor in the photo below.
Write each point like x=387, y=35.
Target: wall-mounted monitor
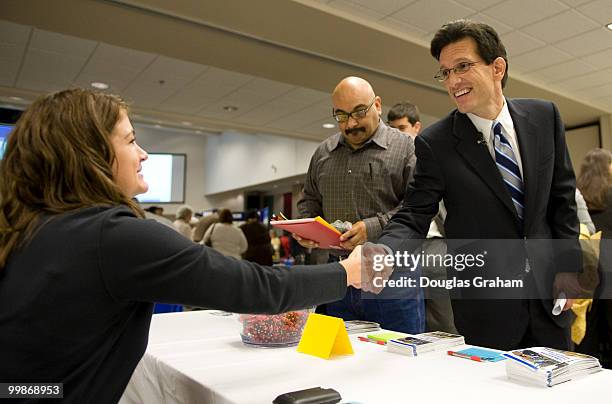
x=4, y=133
x=165, y=174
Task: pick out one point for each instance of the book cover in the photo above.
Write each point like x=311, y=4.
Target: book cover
x=386, y=335
x=316, y=229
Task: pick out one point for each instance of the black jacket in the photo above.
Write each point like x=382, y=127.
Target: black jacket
x=454, y=165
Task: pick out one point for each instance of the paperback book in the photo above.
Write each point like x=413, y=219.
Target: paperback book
x=359, y=326
x=413, y=345
x=547, y=366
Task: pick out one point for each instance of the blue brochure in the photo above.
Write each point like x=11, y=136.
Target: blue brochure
x=487, y=355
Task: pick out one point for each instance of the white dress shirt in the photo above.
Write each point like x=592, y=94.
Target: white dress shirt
x=485, y=126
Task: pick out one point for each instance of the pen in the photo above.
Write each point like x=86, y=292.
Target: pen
x=460, y=355
x=283, y=216
x=364, y=339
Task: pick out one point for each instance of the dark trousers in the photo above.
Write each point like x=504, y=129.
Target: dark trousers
x=403, y=315
x=542, y=330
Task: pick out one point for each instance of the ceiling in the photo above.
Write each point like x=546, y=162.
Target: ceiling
x=180, y=63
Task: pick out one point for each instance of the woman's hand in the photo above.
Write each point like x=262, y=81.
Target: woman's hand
x=352, y=266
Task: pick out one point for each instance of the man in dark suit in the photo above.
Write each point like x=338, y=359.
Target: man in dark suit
x=503, y=170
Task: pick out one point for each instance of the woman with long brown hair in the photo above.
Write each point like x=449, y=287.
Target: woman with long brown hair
x=80, y=268
x=595, y=183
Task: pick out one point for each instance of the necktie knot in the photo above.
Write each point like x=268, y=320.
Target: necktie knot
x=505, y=159
x=497, y=128
x=499, y=136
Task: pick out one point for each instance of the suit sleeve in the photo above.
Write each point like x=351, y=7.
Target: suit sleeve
x=410, y=224
x=562, y=213
x=141, y=260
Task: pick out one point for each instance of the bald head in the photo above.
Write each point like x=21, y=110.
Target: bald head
x=353, y=88
x=355, y=96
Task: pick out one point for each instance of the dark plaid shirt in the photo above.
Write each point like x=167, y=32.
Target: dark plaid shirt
x=365, y=184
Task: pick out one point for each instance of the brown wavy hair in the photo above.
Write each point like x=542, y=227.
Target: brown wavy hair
x=595, y=179
x=58, y=159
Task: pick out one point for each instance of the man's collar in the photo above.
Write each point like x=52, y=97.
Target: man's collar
x=484, y=125
x=380, y=137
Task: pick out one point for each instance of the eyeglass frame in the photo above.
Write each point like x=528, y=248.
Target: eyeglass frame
x=443, y=74
x=350, y=115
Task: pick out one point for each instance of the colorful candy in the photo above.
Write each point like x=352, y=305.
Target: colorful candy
x=273, y=330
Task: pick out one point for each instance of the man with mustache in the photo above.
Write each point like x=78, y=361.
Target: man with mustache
x=359, y=175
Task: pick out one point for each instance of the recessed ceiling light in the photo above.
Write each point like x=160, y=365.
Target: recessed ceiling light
x=99, y=85
x=157, y=125
x=329, y=125
x=186, y=123
x=609, y=26
x=15, y=98
x=199, y=132
x=230, y=108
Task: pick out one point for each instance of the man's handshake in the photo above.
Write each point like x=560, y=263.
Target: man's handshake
x=361, y=272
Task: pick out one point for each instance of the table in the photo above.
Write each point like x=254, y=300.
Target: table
x=198, y=357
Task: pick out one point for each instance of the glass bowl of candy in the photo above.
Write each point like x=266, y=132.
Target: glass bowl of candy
x=273, y=330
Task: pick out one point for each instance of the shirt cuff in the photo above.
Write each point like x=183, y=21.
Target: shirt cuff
x=373, y=228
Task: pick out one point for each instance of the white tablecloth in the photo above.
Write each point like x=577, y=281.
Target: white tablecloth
x=198, y=357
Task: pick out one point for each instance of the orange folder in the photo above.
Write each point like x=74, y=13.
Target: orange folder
x=316, y=229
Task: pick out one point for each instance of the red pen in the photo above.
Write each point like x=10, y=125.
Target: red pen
x=364, y=339
x=460, y=355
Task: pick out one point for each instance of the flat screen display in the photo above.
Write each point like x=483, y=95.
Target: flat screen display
x=4, y=133
x=165, y=174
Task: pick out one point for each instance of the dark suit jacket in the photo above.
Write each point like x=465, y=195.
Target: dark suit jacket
x=453, y=165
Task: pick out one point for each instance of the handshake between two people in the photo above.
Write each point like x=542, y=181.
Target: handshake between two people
x=361, y=271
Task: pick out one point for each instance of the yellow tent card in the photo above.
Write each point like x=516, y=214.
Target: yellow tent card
x=325, y=336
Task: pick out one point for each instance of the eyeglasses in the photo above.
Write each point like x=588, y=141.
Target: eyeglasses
x=459, y=68
x=341, y=116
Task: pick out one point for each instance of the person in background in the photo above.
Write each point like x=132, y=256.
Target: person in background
x=158, y=210
x=156, y=213
x=276, y=245
x=405, y=117
x=359, y=175
x=595, y=183
x=80, y=267
x=224, y=237
x=183, y=219
x=259, y=247
x=582, y=210
x=203, y=224
x=285, y=245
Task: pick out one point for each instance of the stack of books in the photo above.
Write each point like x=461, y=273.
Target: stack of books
x=359, y=326
x=413, y=345
x=547, y=366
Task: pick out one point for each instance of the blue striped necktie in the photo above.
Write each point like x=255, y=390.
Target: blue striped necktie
x=509, y=169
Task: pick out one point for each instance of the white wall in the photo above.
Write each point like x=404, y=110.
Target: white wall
x=237, y=160
x=167, y=140
x=605, y=123
x=579, y=142
x=226, y=163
